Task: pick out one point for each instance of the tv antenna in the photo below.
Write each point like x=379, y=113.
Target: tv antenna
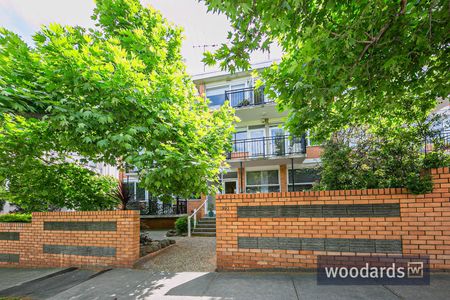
x=205, y=46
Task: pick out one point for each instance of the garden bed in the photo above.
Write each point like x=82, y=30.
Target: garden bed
x=148, y=245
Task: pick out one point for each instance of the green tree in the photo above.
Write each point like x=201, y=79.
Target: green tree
x=380, y=157
x=345, y=63
x=117, y=94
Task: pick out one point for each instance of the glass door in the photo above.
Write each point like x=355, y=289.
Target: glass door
x=256, y=143
x=237, y=95
x=277, y=141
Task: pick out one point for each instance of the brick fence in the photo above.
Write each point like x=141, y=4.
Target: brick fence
x=289, y=230
x=61, y=239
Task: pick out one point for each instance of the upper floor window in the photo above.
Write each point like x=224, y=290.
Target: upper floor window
x=216, y=95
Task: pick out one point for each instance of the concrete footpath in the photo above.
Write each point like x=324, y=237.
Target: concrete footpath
x=142, y=284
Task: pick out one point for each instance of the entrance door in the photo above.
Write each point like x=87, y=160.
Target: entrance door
x=230, y=187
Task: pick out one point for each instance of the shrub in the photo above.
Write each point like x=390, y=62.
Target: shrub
x=181, y=224
x=23, y=218
x=436, y=159
x=383, y=157
x=420, y=184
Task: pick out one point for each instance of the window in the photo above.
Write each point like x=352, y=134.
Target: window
x=216, y=95
x=239, y=146
x=262, y=181
x=135, y=191
x=236, y=94
x=303, y=179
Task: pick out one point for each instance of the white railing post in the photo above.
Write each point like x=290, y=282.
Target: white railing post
x=195, y=219
x=189, y=226
x=194, y=214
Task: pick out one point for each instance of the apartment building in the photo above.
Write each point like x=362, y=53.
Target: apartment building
x=265, y=157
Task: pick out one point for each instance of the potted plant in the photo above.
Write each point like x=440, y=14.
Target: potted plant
x=244, y=102
x=211, y=210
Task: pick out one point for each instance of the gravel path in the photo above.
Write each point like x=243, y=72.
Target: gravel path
x=195, y=254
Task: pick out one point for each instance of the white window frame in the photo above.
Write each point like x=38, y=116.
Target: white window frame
x=262, y=170
x=287, y=177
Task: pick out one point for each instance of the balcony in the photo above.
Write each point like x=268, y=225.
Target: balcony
x=247, y=97
x=267, y=147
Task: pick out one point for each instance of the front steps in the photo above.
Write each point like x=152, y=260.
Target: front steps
x=205, y=227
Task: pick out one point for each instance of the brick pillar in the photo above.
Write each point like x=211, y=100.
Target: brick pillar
x=241, y=181
x=201, y=89
x=283, y=178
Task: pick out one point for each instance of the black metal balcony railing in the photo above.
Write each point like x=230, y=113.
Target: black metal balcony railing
x=280, y=145
x=156, y=208
x=246, y=97
x=438, y=141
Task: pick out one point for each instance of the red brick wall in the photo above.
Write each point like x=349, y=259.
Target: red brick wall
x=33, y=237
x=158, y=222
x=423, y=225
x=194, y=204
x=313, y=151
x=283, y=178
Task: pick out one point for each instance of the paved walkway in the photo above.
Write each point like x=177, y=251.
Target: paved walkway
x=141, y=284
x=195, y=254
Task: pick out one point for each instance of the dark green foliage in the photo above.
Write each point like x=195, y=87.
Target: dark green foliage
x=118, y=94
x=419, y=183
x=25, y=218
x=345, y=62
x=379, y=158
x=435, y=160
x=181, y=224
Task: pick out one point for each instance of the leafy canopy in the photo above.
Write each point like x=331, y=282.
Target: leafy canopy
x=345, y=62
x=117, y=94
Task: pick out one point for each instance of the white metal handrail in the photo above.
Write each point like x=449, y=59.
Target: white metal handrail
x=194, y=215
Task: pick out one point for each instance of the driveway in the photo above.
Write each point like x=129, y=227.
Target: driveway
x=195, y=254
x=142, y=284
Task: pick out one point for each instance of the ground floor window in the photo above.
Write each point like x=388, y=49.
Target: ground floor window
x=262, y=181
x=303, y=179
x=135, y=191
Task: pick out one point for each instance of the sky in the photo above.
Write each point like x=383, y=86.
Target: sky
x=25, y=17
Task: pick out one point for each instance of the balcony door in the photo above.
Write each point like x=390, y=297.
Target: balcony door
x=257, y=143
x=278, y=141
x=238, y=96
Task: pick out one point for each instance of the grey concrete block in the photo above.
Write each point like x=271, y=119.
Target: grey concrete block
x=386, y=210
x=81, y=226
x=10, y=236
x=319, y=211
x=289, y=243
x=9, y=257
x=310, y=211
x=360, y=210
x=388, y=246
x=248, y=242
x=80, y=250
x=246, y=211
x=266, y=212
x=362, y=245
x=288, y=211
x=341, y=245
x=268, y=243
x=334, y=211
x=313, y=244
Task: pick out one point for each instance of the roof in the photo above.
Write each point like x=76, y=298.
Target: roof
x=218, y=74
